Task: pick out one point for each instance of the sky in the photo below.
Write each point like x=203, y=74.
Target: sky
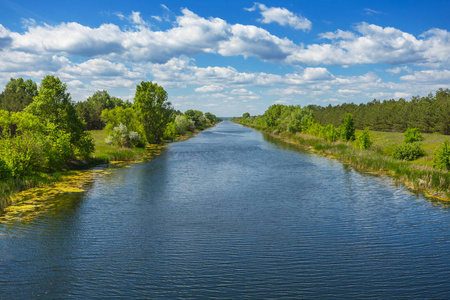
x=231, y=57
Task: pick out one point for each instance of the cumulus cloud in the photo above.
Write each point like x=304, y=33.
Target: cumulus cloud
x=282, y=16
x=192, y=35
x=209, y=89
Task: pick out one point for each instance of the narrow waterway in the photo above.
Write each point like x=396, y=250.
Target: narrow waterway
x=231, y=213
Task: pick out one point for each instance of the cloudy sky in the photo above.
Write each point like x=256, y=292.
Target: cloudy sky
x=230, y=57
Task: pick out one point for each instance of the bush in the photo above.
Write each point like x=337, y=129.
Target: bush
x=330, y=133
x=441, y=159
x=122, y=137
x=409, y=151
x=5, y=171
x=363, y=141
x=413, y=135
x=22, y=153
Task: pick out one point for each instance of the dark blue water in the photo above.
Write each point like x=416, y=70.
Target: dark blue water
x=232, y=214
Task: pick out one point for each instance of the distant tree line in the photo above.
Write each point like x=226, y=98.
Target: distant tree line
x=429, y=114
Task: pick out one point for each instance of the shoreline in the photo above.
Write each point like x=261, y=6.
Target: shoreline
x=428, y=181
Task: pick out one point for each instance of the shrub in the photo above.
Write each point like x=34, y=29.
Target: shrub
x=409, y=151
x=330, y=133
x=120, y=136
x=23, y=152
x=413, y=135
x=363, y=141
x=5, y=171
x=441, y=159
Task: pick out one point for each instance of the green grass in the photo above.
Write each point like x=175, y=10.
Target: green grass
x=109, y=153
x=385, y=142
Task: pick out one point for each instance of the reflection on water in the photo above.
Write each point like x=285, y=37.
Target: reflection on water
x=231, y=213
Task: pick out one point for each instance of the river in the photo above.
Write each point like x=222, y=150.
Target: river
x=231, y=213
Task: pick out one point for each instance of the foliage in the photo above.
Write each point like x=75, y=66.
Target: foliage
x=297, y=119
x=429, y=114
x=363, y=140
x=5, y=171
x=413, y=135
x=408, y=151
x=171, y=131
x=22, y=152
x=197, y=117
x=58, y=148
x=91, y=109
x=330, y=133
x=348, y=128
x=153, y=110
x=18, y=94
x=441, y=159
x=181, y=124
x=53, y=104
x=120, y=136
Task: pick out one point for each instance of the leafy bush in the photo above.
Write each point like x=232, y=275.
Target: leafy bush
x=441, y=159
x=23, y=152
x=363, y=140
x=182, y=124
x=171, y=131
x=409, y=151
x=120, y=136
x=5, y=172
x=330, y=133
x=413, y=135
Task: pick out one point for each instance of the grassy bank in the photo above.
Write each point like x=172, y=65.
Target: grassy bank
x=418, y=175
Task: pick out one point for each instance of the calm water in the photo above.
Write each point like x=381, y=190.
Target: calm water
x=232, y=214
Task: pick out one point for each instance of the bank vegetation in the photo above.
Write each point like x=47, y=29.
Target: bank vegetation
x=43, y=132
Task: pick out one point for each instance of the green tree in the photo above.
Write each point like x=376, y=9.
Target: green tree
x=54, y=104
x=153, y=110
x=348, y=128
x=197, y=117
x=18, y=94
x=91, y=109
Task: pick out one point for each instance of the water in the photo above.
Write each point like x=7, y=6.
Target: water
x=234, y=214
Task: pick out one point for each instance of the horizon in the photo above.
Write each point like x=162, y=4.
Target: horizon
x=232, y=57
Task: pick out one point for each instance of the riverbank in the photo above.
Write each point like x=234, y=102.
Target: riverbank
x=28, y=195
x=419, y=176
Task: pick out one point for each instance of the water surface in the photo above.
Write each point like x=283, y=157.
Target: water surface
x=231, y=213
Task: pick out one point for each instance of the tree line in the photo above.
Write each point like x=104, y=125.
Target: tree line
x=43, y=129
x=429, y=114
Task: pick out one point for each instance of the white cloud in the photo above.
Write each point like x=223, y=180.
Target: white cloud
x=369, y=11
x=434, y=76
x=398, y=70
x=209, y=89
x=282, y=16
x=136, y=18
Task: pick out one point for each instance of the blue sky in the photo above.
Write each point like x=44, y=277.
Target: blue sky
x=231, y=57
